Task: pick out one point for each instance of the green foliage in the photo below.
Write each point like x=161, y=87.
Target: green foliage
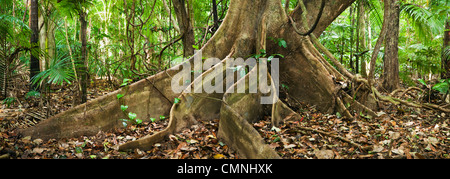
x=280, y=41
x=125, y=82
x=131, y=115
x=123, y=107
x=119, y=96
x=59, y=71
x=443, y=86
x=33, y=93
x=446, y=54
x=131, y=118
x=161, y=117
x=72, y=8
x=9, y=101
x=423, y=21
x=422, y=82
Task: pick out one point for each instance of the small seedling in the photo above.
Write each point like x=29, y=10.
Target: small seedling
x=119, y=96
x=123, y=107
x=125, y=82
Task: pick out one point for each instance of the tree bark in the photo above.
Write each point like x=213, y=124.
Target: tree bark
x=187, y=31
x=215, y=16
x=130, y=17
x=34, y=41
x=362, y=38
x=391, y=65
x=83, y=70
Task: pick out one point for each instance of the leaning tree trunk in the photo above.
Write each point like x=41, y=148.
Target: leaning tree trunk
x=248, y=27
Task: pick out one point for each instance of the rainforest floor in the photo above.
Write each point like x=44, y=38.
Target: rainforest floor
x=398, y=133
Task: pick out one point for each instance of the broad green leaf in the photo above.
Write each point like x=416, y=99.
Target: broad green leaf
x=422, y=81
x=441, y=87
x=282, y=43
x=177, y=100
x=138, y=121
x=153, y=119
x=119, y=96
x=125, y=82
x=132, y=116
x=162, y=117
x=123, y=107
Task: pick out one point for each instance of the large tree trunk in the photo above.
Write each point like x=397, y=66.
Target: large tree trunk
x=244, y=32
x=391, y=65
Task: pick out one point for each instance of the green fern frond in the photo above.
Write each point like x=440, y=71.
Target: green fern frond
x=423, y=21
x=59, y=71
x=446, y=54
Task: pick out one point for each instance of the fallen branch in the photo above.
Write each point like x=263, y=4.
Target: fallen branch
x=397, y=101
x=368, y=110
x=367, y=148
x=343, y=109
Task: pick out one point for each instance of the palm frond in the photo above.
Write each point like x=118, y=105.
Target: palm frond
x=71, y=8
x=375, y=10
x=423, y=21
x=446, y=54
x=59, y=71
x=7, y=23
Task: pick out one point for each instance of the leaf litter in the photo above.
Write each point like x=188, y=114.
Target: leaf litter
x=390, y=136
x=407, y=134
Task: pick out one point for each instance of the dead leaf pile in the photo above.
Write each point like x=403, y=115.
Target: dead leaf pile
x=197, y=142
x=393, y=136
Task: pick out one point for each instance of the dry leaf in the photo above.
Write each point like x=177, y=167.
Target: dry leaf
x=324, y=154
x=218, y=156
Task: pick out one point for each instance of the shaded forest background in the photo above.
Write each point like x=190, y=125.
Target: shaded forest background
x=56, y=54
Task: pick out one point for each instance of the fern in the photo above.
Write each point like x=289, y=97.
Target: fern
x=59, y=71
x=446, y=54
x=375, y=9
x=424, y=22
x=6, y=25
